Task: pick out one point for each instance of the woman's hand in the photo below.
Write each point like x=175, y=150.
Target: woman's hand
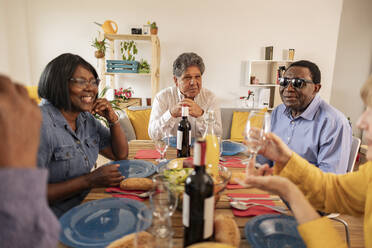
x=105, y=176
x=275, y=149
x=103, y=107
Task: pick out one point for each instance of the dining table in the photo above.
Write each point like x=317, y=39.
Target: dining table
x=222, y=206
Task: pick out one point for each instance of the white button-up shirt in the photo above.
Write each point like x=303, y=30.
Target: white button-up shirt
x=162, y=121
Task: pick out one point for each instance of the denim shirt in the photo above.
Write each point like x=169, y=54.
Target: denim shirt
x=321, y=134
x=68, y=154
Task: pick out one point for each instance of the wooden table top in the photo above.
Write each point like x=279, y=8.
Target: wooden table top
x=222, y=207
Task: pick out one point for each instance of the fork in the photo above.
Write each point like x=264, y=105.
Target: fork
x=140, y=195
x=276, y=208
x=246, y=205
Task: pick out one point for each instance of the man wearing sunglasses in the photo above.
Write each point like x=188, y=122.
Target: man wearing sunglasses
x=307, y=124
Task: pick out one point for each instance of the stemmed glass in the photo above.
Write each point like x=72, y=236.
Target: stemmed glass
x=258, y=124
x=161, y=145
x=163, y=203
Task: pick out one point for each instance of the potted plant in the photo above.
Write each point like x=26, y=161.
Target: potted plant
x=143, y=67
x=123, y=94
x=100, y=46
x=153, y=28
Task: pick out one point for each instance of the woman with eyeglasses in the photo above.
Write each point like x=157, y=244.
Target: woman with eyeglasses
x=300, y=183
x=71, y=137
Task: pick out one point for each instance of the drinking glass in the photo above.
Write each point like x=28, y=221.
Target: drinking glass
x=161, y=145
x=258, y=124
x=159, y=227
x=163, y=199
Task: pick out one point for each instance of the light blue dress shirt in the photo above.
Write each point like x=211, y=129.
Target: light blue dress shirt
x=321, y=134
x=68, y=154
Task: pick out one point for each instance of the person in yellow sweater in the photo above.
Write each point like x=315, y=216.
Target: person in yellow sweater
x=305, y=187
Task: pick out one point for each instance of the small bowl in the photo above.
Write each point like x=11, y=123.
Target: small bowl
x=219, y=187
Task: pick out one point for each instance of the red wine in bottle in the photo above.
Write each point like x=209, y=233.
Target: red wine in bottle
x=198, y=201
x=184, y=135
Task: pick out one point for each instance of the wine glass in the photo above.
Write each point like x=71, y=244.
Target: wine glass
x=163, y=199
x=258, y=124
x=161, y=145
x=159, y=231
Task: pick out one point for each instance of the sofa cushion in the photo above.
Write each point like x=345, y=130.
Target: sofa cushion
x=239, y=121
x=237, y=126
x=127, y=127
x=140, y=122
x=32, y=93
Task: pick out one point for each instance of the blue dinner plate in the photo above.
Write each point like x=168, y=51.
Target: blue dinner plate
x=232, y=148
x=96, y=224
x=173, y=141
x=135, y=168
x=273, y=231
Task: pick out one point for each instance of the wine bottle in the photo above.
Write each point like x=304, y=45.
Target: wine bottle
x=184, y=135
x=198, y=201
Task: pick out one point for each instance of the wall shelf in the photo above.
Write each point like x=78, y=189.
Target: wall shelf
x=127, y=74
x=155, y=59
x=266, y=73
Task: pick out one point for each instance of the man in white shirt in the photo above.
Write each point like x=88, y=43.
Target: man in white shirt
x=188, y=69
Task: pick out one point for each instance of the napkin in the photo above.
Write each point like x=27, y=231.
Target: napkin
x=232, y=162
x=234, y=186
x=147, y=154
x=255, y=210
x=109, y=190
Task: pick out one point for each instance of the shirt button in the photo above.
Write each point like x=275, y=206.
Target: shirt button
x=78, y=142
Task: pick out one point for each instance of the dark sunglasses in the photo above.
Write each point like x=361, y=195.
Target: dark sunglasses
x=296, y=82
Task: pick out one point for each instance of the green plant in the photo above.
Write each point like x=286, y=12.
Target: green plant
x=128, y=50
x=144, y=67
x=100, y=45
x=153, y=25
x=114, y=104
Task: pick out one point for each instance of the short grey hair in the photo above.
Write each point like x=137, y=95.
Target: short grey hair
x=186, y=60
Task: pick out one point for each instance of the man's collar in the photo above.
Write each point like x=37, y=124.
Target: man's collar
x=309, y=112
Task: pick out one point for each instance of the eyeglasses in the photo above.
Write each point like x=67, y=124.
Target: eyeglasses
x=82, y=82
x=296, y=82
x=187, y=79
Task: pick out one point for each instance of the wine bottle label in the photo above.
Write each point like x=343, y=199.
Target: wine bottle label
x=208, y=217
x=186, y=210
x=179, y=140
x=190, y=137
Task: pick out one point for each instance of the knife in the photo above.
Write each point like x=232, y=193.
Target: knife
x=255, y=198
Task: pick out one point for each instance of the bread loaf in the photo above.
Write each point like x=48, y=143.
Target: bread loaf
x=226, y=230
x=136, y=184
x=144, y=238
x=234, y=175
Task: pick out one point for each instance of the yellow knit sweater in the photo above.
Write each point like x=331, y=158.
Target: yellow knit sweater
x=347, y=194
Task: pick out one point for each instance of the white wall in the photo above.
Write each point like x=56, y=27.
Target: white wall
x=224, y=33
x=353, y=58
x=14, y=41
